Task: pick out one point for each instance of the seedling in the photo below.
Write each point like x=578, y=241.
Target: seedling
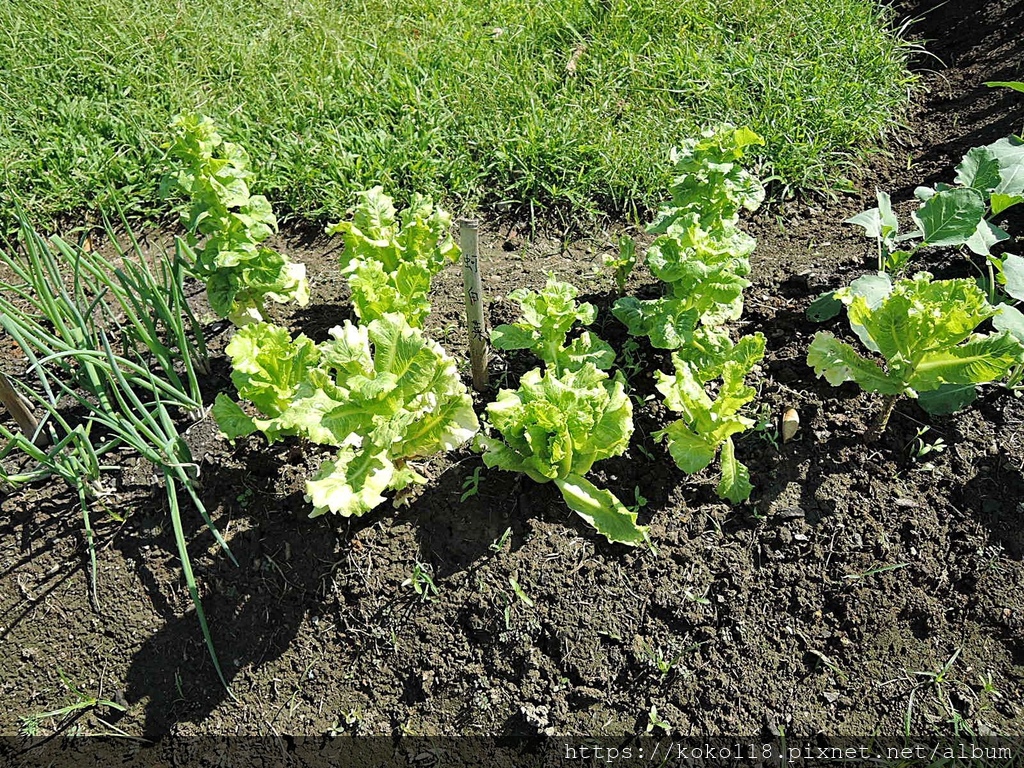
x=499, y=543
x=82, y=702
x=471, y=485
x=523, y=597
x=639, y=501
x=622, y=265
x=656, y=721
x=920, y=448
x=422, y=582
x=658, y=660
x=875, y=571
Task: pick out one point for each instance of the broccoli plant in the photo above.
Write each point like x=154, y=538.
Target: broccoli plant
x=228, y=225
x=988, y=181
x=924, y=331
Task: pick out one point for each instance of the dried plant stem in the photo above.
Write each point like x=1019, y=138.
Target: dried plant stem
x=21, y=412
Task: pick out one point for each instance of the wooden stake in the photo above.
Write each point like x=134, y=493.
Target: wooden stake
x=474, y=302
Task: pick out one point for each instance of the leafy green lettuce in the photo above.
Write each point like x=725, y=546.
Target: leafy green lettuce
x=553, y=429
x=390, y=258
x=700, y=253
x=228, y=225
x=707, y=425
x=382, y=394
x=547, y=317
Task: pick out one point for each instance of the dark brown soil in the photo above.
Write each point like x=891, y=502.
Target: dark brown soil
x=862, y=591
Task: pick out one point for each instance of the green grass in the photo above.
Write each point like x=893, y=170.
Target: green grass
x=471, y=102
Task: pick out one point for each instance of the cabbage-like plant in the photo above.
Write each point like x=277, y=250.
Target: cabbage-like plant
x=382, y=394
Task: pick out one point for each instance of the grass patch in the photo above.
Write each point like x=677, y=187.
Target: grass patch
x=566, y=107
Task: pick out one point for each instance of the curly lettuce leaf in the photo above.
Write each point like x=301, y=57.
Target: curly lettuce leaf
x=228, y=225
x=602, y=510
x=390, y=258
x=269, y=366
x=547, y=317
x=924, y=331
x=554, y=427
x=351, y=484
x=382, y=393
x=707, y=425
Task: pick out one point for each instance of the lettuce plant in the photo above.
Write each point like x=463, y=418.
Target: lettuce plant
x=567, y=416
x=707, y=425
x=228, y=225
x=382, y=394
x=547, y=317
x=924, y=331
x=390, y=258
x=700, y=252
x=553, y=429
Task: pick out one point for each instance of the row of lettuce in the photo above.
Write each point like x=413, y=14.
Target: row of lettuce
x=383, y=395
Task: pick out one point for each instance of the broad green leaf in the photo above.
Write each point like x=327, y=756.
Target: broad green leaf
x=979, y=170
x=690, y=451
x=978, y=360
x=231, y=419
x=825, y=307
x=221, y=288
x=870, y=220
x=950, y=217
x=602, y=510
x=348, y=350
x=873, y=289
x=634, y=314
x=1012, y=272
x=735, y=484
x=1010, y=154
x=671, y=323
x=949, y=398
x=1009, y=319
x=985, y=237
x=1000, y=202
x=586, y=348
x=509, y=337
x=351, y=484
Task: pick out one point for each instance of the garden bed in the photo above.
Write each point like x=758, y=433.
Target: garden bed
x=864, y=589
